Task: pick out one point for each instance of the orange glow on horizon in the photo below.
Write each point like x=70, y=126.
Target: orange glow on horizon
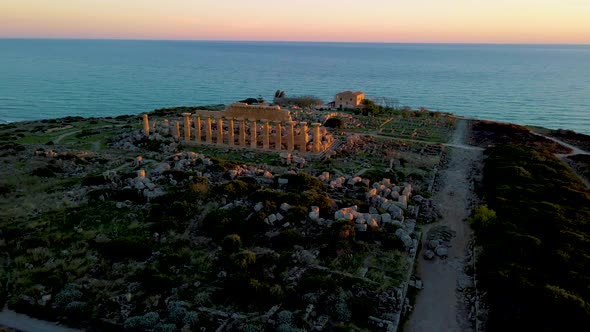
x=428, y=21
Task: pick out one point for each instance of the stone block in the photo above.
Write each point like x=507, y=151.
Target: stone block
x=258, y=206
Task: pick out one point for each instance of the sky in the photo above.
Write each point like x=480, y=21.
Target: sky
x=416, y=21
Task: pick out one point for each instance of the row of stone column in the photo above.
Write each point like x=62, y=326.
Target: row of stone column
x=242, y=130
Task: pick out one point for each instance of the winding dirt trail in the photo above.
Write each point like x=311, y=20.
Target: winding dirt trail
x=438, y=306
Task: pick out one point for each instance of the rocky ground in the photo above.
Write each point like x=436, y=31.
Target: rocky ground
x=102, y=179
x=374, y=186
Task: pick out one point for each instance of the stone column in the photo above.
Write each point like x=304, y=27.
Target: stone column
x=230, y=131
x=165, y=130
x=197, y=121
x=266, y=137
x=242, y=131
x=146, y=125
x=279, y=136
x=304, y=137
x=177, y=129
x=208, y=130
x=253, y=133
x=220, y=130
x=291, y=135
x=187, y=126
x=317, y=139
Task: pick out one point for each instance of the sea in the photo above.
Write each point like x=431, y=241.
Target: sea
x=540, y=85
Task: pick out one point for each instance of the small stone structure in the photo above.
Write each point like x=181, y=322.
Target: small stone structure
x=259, y=127
x=348, y=99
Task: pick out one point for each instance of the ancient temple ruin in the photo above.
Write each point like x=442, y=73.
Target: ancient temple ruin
x=245, y=126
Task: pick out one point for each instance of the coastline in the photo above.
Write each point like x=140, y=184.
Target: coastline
x=459, y=79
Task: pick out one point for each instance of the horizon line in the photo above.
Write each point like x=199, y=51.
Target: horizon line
x=295, y=41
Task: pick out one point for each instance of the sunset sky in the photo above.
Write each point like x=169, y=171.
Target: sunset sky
x=441, y=21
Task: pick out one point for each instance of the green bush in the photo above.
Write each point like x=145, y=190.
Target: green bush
x=334, y=123
x=482, y=218
x=94, y=180
x=221, y=222
x=286, y=240
x=130, y=247
x=43, y=172
x=235, y=189
x=232, y=243
x=301, y=182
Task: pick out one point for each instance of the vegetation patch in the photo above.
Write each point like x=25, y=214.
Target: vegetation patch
x=534, y=232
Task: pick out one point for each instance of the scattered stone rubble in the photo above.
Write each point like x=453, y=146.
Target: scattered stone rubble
x=466, y=284
x=438, y=242
x=387, y=203
x=425, y=209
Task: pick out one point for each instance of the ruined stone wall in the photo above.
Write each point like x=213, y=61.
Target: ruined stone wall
x=258, y=112
x=205, y=114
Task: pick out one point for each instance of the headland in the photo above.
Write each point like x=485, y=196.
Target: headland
x=258, y=218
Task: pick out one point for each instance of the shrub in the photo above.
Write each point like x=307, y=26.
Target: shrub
x=199, y=185
x=6, y=189
x=141, y=323
x=166, y=328
x=43, y=172
x=68, y=294
x=392, y=242
x=232, y=243
x=297, y=213
x=94, y=180
x=243, y=260
x=482, y=218
x=176, y=311
x=334, y=123
x=130, y=247
x=221, y=222
x=301, y=182
x=286, y=240
x=235, y=189
x=191, y=319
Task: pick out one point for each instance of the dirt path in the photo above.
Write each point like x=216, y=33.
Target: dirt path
x=575, y=149
x=25, y=323
x=563, y=157
x=438, y=307
x=454, y=143
x=62, y=136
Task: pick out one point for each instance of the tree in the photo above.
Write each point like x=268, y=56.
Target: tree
x=300, y=101
x=249, y=101
x=334, y=123
x=370, y=108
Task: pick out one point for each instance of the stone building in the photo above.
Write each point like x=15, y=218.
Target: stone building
x=349, y=99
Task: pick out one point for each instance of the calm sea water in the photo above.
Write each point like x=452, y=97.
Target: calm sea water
x=527, y=84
